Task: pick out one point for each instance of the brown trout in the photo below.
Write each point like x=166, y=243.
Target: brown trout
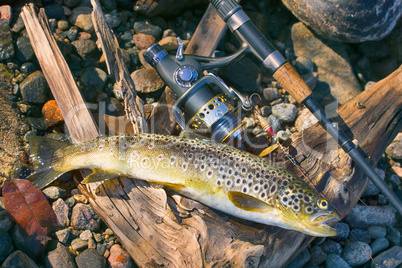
x=222, y=177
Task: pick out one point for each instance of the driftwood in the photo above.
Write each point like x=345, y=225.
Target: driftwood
x=160, y=229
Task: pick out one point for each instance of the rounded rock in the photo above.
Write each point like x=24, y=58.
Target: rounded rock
x=34, y=88
x=6, y=41
x=24, y=49
x=334, y=260
x=348, y=21
x=61, y=210
x=147, y=28
x=366, y=216
x=119, y=257
x=18, y=259
x=331, y=247
x=84, y=217
x=300, y=260
x=27, y=68
x=95, y=77
x=379, y=245
x=355, y=255
x=390, y=258
x=51, y=113
x=90, y=256
x=270, y=93
x=147, y=80
x=360, y=235
x=6, y=245
x=81, y=17
x=85, y=48
x=60, y=257
x=54, y=192
x=377, y=231
x=143, y=41
x=285, y=112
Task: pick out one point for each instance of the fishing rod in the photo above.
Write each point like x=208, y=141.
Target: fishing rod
x=240, y=24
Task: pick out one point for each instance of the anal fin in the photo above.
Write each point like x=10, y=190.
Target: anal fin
x=248, y=203
x=99, y=175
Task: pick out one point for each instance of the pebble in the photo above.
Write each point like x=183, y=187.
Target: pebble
x=169, y=42
x=6, y=245
x=18, y=259
x=5, y=72
x=90, y=258
x=54, y=192
x=72, y=33
x=242, y=75
x=37, y=123
x=365, y=216
x=86, y=235
x=285, y=112
x=34, y=88
x=270, y=93
x=360, y=235
x=388, y=259
x=86, y=48
x=275, y=123
x=94, y=77
x=18, y=25
x=395, y=180
x=6, y=41
x=60, y=257
x=113, y=19
x=5, y=221
x=27, y=68
x=101, y=248
x=394, y=150
x=300, y=260
x=91, y=243
x=143, y=41
x=305, y=120
x=393, y=236
x=311, y=79
x=304, y=65
x=24, y=49
x=147, y=80
x=379, y=245
x=79, y=245
x=109, y=4
x=71, y=3
x=6, y=13
x=348, y=21
x=51, y=113
x=335, y=261
x=335, y=74
x=377, y=231
x=283, y=135
x=355, y=255
x=54, y=11
x=63, y=235
x=61, y=210
x=146, y=27
x=81, y=17
x=84, y=217
x=331, y=247
x=119, y=258
x=317, y=255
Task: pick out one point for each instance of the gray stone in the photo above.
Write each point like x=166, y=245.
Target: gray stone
x=393, y=236
x=6, y=41
x=311, y=79
x=59, y=258
x=62, y=25
x=18, y=259
x=85, y=48
x=61, y=210
x=147, y=28
x=84, y=217
x=395, y=180
x=394, y=150
x=304, y=65
x=63, y=235
x=6, y=245
x=55, y=192
x=5, y=221
x=54, y=11
x=81, y=17
x=377, y=231
x=24, y=49
x=95, y=77
x=285, y=112
x=37, y=123
x=90, y=258
x=242, y=75
x=78, y=244
x=71, y=3
x=335, y=261
x=388, y=259
x=101, y=248
x=113, y=19
x=355, y=255
x=70, y=201
x=283, y=135
x=18, y=25
x=348, y=21
x=360, y=235
x=379, y=245
x=34, y=88
x=270, y=93
x=305, y=120
x=275, y=123
x=366, y=216
x=109, y=4
x=72, y=34
x=27, y=68
x=335, y=74
x=300, y=260
x=317, y=256
x=331, y=247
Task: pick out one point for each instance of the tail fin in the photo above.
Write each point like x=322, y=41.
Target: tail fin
x=41, y=153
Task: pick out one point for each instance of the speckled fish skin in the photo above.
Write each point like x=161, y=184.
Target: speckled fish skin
x=222, y=177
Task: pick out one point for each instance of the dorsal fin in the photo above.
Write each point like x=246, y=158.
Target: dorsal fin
x=248, y=203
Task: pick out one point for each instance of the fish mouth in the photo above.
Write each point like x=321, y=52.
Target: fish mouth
x=320, y=224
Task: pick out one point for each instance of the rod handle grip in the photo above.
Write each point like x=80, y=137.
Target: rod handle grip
x=290, y=80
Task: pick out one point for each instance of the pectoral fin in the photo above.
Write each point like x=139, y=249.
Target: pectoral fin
x=248, y=203
x=173, y=186
x=102, y=175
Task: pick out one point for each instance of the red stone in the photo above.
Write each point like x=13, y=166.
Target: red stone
x=5, y=13
x=119, y=258
x=51, y=113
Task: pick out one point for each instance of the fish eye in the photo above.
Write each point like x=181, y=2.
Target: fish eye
x=322, y=203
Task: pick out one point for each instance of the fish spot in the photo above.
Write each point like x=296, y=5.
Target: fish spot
x=228, y=182
x=309, y=209
x=256, y=188
x=245, y=190
x=273, y=188
x=265, y=186
x=172, y=159
x=296, y=208
x=151, y=146
x=244, y=170
x=184, y=166
x=307, y=199
x=238, y=181
x=244, y=181
x=100, y=147
x=209, y=174
x=160, y=157
x=250, y=184
x=82, y=149
x=262, y=195
x=250, y=176
x=202, y=167
x=218, y=182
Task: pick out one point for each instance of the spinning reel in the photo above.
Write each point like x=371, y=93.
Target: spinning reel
x=200, y=94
